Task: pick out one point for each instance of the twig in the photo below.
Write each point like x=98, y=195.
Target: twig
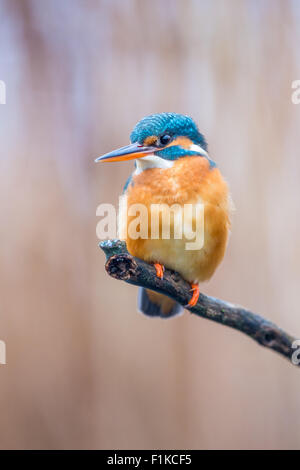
x=121, y=265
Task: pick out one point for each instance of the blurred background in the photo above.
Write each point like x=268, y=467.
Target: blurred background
x=84, y=369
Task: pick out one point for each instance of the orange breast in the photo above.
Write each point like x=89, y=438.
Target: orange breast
x=189, y=181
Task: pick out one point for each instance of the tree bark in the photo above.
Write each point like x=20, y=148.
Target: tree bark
x=121, y=265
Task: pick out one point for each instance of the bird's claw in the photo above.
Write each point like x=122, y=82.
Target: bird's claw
x=196, y=292
x=160, y=269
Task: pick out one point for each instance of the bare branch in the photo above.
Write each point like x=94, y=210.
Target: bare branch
x=121, y=265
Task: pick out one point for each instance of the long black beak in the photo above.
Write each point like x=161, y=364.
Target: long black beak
x=129, y=152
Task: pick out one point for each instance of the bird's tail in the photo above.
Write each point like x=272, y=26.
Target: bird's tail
x=154, y=304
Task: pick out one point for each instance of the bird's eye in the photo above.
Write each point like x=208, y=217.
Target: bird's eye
x=164, y=140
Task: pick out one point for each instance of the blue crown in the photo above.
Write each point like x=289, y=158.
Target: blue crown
x=172, y=124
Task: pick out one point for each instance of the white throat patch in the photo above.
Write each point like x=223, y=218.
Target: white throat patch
x=152, y=161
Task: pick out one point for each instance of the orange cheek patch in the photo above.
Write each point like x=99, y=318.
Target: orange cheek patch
x=151, y=140
x=184, y=142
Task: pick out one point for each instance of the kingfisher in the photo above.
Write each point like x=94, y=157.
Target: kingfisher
x=172, y=166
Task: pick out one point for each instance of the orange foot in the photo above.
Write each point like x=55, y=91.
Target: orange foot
x=195, y=296
x=159, y=270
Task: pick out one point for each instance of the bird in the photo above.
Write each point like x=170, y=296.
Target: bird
x=172, y=166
